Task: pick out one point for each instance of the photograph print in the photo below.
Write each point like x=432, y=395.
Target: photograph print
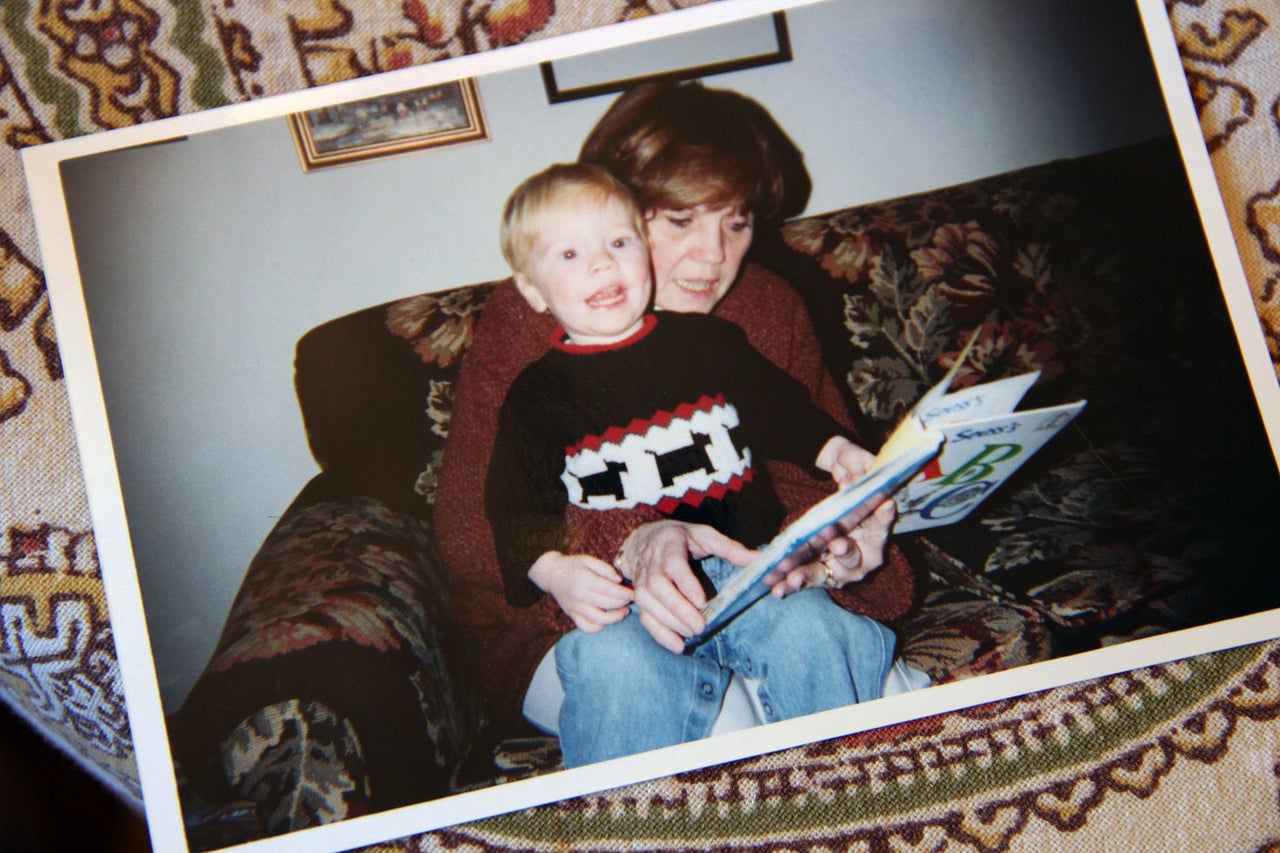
x=303, y=407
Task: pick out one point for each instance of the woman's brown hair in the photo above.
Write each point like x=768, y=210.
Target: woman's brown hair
x=679, y=145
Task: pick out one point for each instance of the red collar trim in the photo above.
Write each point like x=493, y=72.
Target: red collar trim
x=560, y=342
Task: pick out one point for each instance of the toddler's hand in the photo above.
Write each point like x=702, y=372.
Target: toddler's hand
x=844, y=460
x=588, y=590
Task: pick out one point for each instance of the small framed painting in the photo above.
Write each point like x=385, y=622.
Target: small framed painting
x=389, y=124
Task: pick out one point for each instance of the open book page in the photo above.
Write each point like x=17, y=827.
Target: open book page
x=978, y=455
x=985, y=441
x=976, y=402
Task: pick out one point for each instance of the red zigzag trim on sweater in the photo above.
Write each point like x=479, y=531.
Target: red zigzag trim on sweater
x=640, y=426
x=718, y=490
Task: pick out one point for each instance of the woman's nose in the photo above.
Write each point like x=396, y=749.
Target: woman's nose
x=710, y=243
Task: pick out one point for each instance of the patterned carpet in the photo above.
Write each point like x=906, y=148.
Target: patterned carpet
x=1177, y=757
x=1008, y=776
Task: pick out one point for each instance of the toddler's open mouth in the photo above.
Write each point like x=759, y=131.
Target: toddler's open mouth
x=608, y=297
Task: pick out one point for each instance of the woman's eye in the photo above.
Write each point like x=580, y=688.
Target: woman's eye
x=740, y=225
x=679, y=221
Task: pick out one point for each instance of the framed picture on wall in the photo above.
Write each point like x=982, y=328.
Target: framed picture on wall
x=389, y=124
x=749, y=43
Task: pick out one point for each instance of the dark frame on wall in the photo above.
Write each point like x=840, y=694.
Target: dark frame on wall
x=558, y=92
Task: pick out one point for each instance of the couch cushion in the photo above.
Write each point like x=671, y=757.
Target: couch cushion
x=958, y=634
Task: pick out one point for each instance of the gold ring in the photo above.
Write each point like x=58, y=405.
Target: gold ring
x=829, y=579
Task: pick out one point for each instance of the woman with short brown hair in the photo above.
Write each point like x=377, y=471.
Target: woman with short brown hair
x=709, y=167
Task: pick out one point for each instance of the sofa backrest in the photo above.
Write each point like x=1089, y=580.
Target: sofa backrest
x=1058, y=264
x=1063, y=267
x=1092, y=270
x=375, y=388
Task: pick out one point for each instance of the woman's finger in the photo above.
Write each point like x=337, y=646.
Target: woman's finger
x=663, y=635
x=840, y=569
x=610, y=616
x=609, y=598
x=793, y=581
x=706, y=541
x=664, y=599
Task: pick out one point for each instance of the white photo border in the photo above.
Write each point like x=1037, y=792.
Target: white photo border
x=115, y=551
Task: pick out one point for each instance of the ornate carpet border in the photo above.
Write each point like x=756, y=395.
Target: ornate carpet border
x=978, y=777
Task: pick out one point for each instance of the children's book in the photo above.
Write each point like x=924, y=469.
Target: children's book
x=946, y=456
x=984, y=442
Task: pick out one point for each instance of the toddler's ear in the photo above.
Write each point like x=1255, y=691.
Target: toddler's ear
x=530, y=292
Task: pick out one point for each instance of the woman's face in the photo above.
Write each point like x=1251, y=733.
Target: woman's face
x=697, y=254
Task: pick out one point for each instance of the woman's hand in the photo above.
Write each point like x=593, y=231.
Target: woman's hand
x=588, y=590
x=656, y=557
x=847, y=558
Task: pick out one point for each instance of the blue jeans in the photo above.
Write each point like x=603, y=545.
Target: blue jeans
x=624, y=693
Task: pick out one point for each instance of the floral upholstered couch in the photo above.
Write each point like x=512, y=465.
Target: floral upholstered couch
x=338, y=687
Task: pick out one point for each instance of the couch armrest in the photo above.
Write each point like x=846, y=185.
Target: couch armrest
x=289, y=766
x=345, y=604
x=362, y=392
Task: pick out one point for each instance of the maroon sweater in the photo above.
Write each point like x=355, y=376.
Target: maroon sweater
x=510, y=641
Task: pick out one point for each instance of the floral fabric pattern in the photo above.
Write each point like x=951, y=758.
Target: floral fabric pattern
x=328, y=573
x=331, y=576
x=439, y=327
x=1052, y=273
x=956, y=634
x=986, y=256
x=300, y=763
